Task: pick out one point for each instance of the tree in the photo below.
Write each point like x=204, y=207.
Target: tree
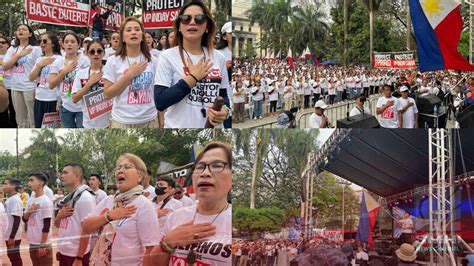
x=372, y=6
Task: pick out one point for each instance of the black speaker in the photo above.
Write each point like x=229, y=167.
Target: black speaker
x=465, y=118
x=425, y=121
x=427, y=103
x=358, y=121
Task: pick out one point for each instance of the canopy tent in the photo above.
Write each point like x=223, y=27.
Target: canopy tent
x=388, y=162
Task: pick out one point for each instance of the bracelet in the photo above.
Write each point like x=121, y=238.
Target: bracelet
x=166, y=246
x=107, y=217
x=194, y=77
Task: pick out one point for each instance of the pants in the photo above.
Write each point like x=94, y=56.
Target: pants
x=8, y=117
x=300, y=98
x=243, y=260
x=68, y=261
x=366, y=92
x=46, y=260
x=235, y=260
x=352, y=92
x=152, y=124
x=238, y=113
x=71, y=119
x=97, y=34
x=371, y=90
x=406, y=238
x=228, y=122
x=316, y=97
x=306, y=101
x=13, y=253
x=331, y=98
x=42, y=108
x=273, y=106
x=23, y=102
x=339, y=96
x=257, y=108
x=288, y=103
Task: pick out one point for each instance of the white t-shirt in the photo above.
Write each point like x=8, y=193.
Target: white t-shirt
x=257, y=93
x=316, y=120
x=135, y=105
x=132, y=234
x=228, y=63
x=20, y=74
x=65, y=87
x=6, y=74
x=100, y=195
x=172, y=205
x=82, y=77
x=36, y=220
x=3, y=221
x=355, y=111
x=389, y=118
x=151, y=190
x=108, y=53
x=214, y=252
x=362, y=256
x=155, y=53
x=47, y=191
x=14, y=207
x=409, y=115
x=187, y=201
x=238, y=98
x=407, y=223
x=43, y=92
x=187, y=112
x=70, y=228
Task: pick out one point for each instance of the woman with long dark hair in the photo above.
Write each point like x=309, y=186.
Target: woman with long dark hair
x=163, y=42
x=192, y=75
x=45, y=98
x=63, y=72
x=129, y=77
x=21, y=58
x=151, y=44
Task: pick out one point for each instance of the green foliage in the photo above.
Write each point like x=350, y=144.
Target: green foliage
x=464, y=44
x=249, y=221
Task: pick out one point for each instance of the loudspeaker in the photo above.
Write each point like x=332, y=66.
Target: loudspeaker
x=465, y=118
x=358, y=121
x=429, y=122
x=427, y=103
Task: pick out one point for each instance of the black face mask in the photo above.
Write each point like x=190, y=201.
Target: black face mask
x=159, y=191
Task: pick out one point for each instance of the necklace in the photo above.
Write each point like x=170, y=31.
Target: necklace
x=191, y=258
x=203, y=110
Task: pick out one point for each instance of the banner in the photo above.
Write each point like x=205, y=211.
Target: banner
x=97, y=104
x=115, y=19
x=159, y=14
x=401, y=60
x=333, y=234
x=51, y=120
x=59, y=12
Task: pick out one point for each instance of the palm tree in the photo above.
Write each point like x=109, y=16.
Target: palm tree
x=346, y=4
x=307, y=27
x=372, y=6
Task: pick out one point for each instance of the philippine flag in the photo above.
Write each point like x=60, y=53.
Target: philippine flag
x=368, y=212
x=289, y=57
x=438, y=25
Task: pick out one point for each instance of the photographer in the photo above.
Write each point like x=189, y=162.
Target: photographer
x=99, y=20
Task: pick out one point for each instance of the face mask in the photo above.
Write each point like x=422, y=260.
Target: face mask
x=160, y=190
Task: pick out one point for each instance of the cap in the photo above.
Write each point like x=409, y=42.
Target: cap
x=88, y=39
x=320, y=104
x=403, y=88
x=227, y=28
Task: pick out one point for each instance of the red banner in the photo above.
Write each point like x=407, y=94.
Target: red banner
x=401, y=60
x=51, y=120
x=97, y=104
x=160, y=13
x=60, y=12
x=115, y=19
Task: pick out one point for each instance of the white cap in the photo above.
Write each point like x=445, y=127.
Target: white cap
x=403, y=88
x=227, y=28
x=88, y=39
x=320, y=104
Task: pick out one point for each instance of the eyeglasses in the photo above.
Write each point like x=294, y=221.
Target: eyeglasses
x=96, y=52
x=198, y=19
x=214, y=167
x=44, y=41
x=125, y=167
x=178, y=192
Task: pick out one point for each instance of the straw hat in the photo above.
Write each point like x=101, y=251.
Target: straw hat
x=406, y=252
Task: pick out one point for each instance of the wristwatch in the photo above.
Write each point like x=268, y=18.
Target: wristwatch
x=79, y=258
x=229, y=111
x=107, y=217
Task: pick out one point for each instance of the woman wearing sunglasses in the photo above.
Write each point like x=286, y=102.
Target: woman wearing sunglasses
x=193, y=74
x=127, y=221
x=21, y=58
x=89, y=80
x=7, y=117
x=45, y=98
x=62, y=75
x=207, y=226
x=129, y=77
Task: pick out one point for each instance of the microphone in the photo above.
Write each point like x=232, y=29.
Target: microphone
x=218, y=103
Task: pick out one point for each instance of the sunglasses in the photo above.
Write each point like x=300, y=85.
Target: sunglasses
x=96, y=52
x=198, y=19
x=44, y=41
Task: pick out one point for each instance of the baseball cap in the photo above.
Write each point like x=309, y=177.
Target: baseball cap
x=403, y=88
x=88, y=39
x=227, y=28
x=320, y=104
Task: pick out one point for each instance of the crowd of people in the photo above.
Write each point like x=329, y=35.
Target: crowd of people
x=262, y=87
x=137, y=225
x=136, y=80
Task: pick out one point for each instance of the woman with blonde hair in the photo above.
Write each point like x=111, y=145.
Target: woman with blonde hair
x=129, y=77
x=191, y=75
x=127, y=221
